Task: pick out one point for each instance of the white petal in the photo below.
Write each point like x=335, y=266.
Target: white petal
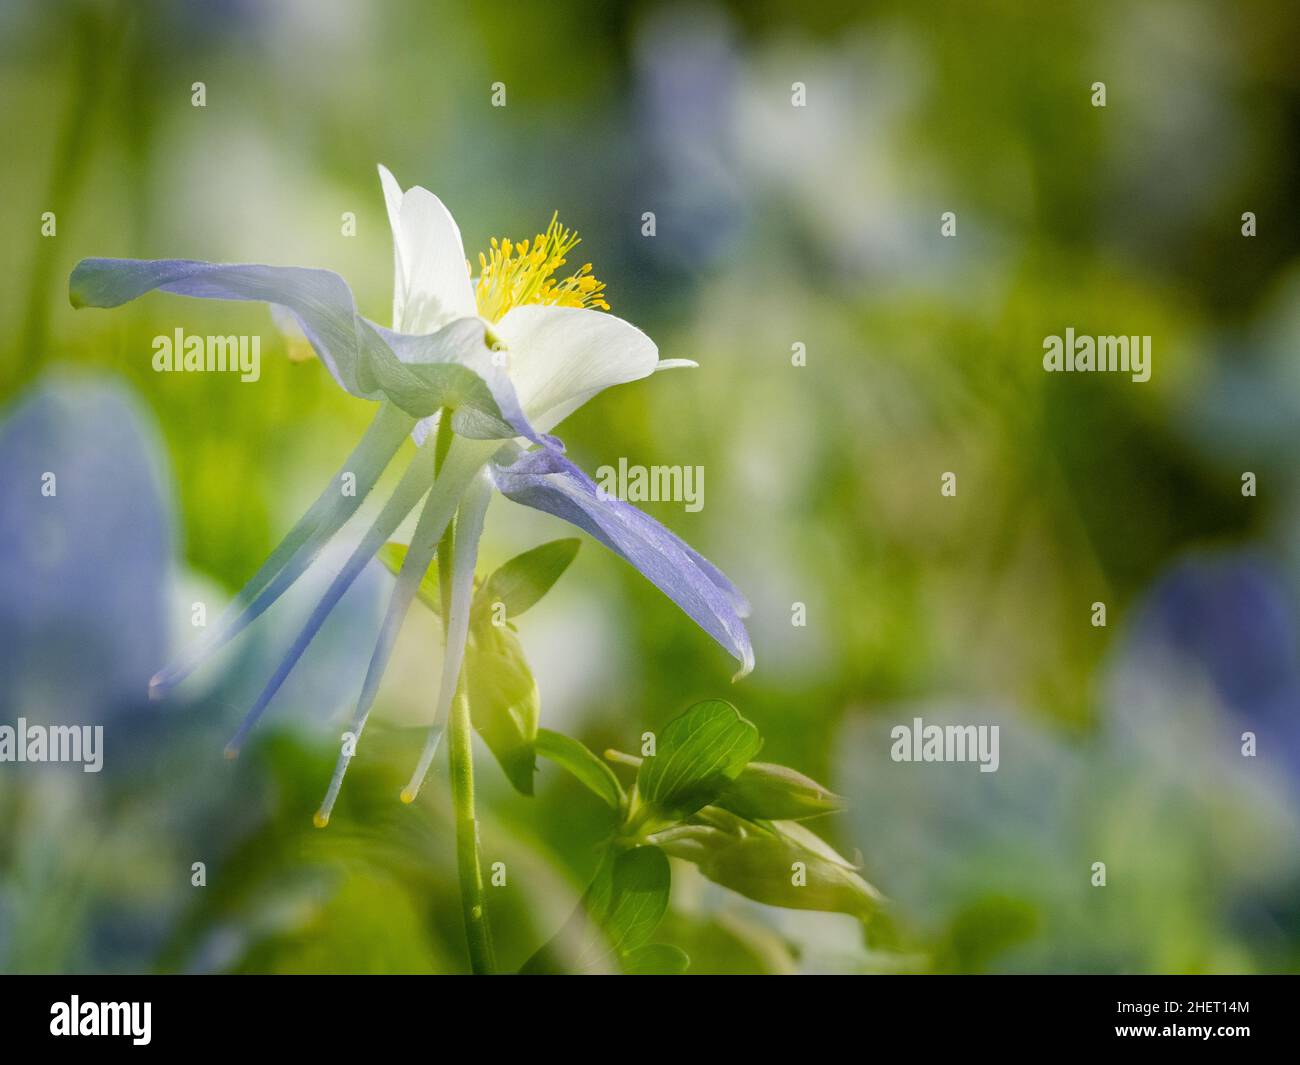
x=562, y=356
x=676, y=364
x=431, y=286
x=393, y=201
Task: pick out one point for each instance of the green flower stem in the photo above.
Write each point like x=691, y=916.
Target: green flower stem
x=473, y=897
x=469, y=868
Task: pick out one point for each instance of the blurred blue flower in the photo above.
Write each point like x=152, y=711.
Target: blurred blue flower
x=1231, y=619
x=85, y=549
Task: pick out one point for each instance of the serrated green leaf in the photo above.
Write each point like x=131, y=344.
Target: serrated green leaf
x=697, y=756
x=503, y=701
x=393, y=554
x=767, y=792
x=521, y=582
x=577, y=759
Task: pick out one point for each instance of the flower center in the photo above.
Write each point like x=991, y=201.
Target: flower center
x=512, y=275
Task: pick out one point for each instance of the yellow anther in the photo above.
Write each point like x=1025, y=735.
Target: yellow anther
x=514, y=275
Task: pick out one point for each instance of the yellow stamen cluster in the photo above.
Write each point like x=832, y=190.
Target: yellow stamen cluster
x=512, y=275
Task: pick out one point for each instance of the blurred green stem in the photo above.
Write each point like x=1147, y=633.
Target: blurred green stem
x=469, y=869
x=95, y=37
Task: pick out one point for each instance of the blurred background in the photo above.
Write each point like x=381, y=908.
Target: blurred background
x=775, y=226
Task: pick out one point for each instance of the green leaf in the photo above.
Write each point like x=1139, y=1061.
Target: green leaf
x=503, y=701
x=656, y=959
x=697, y=756
x=575, y=757
x=393, y=554
x=618, y=914
x=522, y=581
x=766, y=792
x=639, y=898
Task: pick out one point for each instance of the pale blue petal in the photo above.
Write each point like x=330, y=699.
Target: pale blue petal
x=469, y=528
x=414, y=483
x=301, y=545
x=420, y=374
x=461, y=467
x=549, y=482
x=319, y=300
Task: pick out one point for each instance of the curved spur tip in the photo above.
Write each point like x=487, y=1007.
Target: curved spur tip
x=746, y=668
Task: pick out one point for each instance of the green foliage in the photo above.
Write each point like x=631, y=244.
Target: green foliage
x=369, y=925
x=983, y=929
x=615, y=920
x=700, y=797
x=777, y=792
x=779, y=863
x=393, y=555
x=656, y=959
x=521, y=582
x=503, y=698
x=504, y=703
x=701, y=800
x=575, y=757
x=698, y=756
x=518, y=584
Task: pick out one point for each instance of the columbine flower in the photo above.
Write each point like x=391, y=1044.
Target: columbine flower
x=507, y=358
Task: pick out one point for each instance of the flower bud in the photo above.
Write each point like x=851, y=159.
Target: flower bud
x=769, y=792
x=782, y=864
x=780, y=873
